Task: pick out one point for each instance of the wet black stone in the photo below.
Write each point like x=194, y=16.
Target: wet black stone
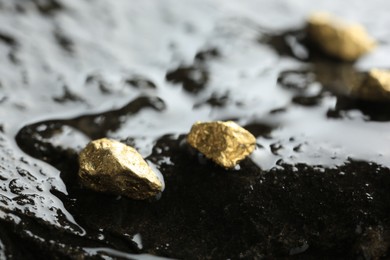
x=207, y=54
x=8, y=39
x=284, y=43
x=67, y=96
x=372, y=111
x=97, y=80
x=192, y=79
x=216, y=100
x=307, y=101
x=206, y=212
x=140, y=83
x=48, y=7
x=64, y=42
x=259, y=129
x=297, y=80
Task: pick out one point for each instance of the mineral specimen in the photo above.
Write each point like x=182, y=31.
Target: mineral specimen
x=375, y=86
x=226, y=143
x=337, y=38
x=110, y=166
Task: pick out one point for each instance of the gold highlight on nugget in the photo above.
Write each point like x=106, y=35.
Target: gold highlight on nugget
x=375, y=85
x=226, y=143
x=110, y=166
x=337, y=38
x=379, y=78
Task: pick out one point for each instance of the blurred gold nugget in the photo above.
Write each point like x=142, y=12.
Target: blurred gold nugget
x=346, y=41
x=226, y=143
x=379, y=78
x=110, y=166
x=375, y=86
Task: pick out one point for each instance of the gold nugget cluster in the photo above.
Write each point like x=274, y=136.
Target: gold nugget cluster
x=226, y=143
x=337, y=38
x=110, y=166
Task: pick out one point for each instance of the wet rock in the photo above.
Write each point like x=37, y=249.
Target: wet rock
x=297, y=80
x=110, y=166
x=67, y=96
x=48, y=7
x=205, y=55
x=290, y=43
x=337, y=38
x=308, y=101
x=64, y=41
x=139, y=82
x=226, y=143
x=193, y=79
x=374, y=243
x=215, y=100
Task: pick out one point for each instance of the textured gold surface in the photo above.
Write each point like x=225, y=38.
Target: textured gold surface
x=226, y=143
x=110, y=166
x=337, y=38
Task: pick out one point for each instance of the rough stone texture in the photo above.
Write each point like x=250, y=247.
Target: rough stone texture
x=337, y=38
x=226, y=143
x=110, y=166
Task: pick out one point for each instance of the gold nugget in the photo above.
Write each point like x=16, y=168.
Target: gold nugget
x=226, y=143
x=379, y=79
x=110, y=166
x=375, y=86
x=337, y=38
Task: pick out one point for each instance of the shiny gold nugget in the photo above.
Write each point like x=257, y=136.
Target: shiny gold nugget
x=226, y=143
x=337, y=38
x=110, y=166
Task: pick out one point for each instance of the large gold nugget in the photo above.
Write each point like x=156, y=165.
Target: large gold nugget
x=337, y=38
x=110, y=166
x=226, y=143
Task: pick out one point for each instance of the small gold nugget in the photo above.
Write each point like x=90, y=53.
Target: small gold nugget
x=379, y=78
x=337, y=38
x=375, y=86
x=226, y=143
x=110, y=166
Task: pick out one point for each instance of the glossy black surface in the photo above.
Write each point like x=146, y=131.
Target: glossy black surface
x=143, y=72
